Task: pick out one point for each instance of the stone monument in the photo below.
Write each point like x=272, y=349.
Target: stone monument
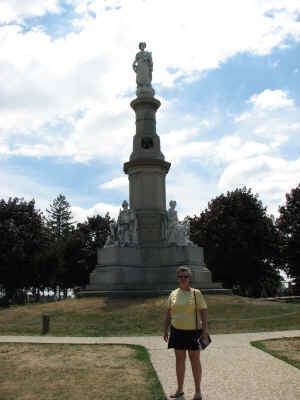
x=147, y=243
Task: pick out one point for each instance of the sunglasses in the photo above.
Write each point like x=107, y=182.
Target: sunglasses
x=183, y=277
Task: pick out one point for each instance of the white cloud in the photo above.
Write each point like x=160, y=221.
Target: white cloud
x=232, y=148
x=46, y=79
x=272, y=118
x=271, y=99
x=181, y=144
x=102, y=133
x=16, y=10
x=117, y=183
x=190, y=190
x=256, y=155
x=80, y=214
x=269, y=176
x=242, y=117
x=16, y=184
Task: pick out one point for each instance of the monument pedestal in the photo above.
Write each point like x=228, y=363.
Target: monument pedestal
x=148, y=268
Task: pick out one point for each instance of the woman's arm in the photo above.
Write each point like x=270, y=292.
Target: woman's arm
x=167, y=324
x=203, y=313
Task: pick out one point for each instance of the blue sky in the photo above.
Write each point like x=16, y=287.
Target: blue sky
x=227, y=75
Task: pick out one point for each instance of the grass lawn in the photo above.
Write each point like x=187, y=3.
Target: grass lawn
x=145, y=316
x=286, y=349
x=89, y=372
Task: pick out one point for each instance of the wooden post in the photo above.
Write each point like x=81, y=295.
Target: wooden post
x=46, y=324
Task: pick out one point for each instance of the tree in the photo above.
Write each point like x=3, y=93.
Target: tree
x=93, y=233
x=79, y=251
x=59, y=220
x=45, y=265
x=289, y=225
x=76, y=267
x=61, y=226
x=22, y=237
x=240, y=241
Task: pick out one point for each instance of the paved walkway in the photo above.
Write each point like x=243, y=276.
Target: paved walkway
x=232, y=368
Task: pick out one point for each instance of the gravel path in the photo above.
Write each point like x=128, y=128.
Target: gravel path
x=232, y=368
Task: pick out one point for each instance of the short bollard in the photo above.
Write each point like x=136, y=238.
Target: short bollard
x=46, y=324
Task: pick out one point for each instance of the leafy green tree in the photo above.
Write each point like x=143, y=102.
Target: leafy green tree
x=22, y=237
x=45, y=266
x=93, y=233
x=240, y=241
x=289, y=225
x=79, y=251
x=59, y=218
x=61, y=226
x=76, y=262
x=76, y=254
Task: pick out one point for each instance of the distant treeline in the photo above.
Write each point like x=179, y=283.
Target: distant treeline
x=50, y=252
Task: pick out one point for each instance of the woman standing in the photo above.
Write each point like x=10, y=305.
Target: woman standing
x=181, y=316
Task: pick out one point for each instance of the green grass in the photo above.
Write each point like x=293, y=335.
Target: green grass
x=286, y=349
x=154, y=385
x=144, y=316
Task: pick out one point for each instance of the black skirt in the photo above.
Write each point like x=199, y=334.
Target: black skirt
x=183, y=339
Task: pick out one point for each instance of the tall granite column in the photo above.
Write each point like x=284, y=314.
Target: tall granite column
x=146, y=170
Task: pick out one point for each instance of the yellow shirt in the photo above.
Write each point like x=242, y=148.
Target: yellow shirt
x=182, y=305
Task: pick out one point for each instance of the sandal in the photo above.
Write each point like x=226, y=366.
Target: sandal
x=197, y=397
x=176, y=395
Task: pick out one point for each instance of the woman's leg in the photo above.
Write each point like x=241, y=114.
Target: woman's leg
x=197, y=370
x=180, y=368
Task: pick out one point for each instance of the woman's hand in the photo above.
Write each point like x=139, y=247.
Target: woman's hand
x=166, y=336
x=167, y=324
x=204, y=334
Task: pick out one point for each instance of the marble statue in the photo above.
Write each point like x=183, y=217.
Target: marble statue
x=143, y=67
x=112, y=239
x=172, y=223
x=187, y=231
x=177, y=232
x=124, y=232
x=127, y=226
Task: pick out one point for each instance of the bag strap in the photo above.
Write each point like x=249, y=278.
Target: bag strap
x=196, y=314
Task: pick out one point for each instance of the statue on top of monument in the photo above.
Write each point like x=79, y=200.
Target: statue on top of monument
x=143, y=67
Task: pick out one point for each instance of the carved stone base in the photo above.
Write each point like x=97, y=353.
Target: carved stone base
x=148, y=268
x=145, y=278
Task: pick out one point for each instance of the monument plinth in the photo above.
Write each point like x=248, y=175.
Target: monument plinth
x=147, y=243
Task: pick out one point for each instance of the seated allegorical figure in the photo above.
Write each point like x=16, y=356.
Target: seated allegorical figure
x=177, y=232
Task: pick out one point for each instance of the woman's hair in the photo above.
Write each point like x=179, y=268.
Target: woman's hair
x=184, y=269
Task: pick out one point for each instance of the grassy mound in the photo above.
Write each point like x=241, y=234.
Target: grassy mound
x=140, y=316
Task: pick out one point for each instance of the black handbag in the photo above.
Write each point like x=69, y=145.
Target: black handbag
x=202, y=341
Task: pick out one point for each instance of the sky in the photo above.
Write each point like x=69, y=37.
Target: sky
x=227, y=74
